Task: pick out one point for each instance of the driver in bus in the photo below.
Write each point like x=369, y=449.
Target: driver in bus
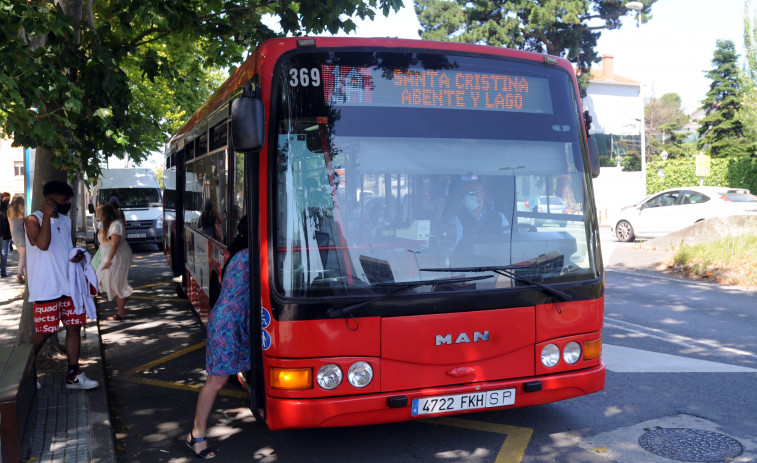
x=475, y=221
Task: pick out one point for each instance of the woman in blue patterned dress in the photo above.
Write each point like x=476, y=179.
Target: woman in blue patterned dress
x=228, y=346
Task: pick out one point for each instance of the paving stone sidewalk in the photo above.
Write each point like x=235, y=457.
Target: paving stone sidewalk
x=71, y=426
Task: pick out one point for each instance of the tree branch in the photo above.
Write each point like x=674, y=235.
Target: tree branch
x=137, y=41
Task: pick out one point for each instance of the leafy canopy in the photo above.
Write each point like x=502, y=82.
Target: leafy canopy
x=721, y=129
x=663, y=117
x=567, y=28
x=89, y=79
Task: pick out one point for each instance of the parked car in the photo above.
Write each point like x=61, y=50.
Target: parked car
x=549, y=205
x=677, y=208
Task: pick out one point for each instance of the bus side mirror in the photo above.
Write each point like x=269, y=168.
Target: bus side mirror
x=91, y=208
x=247, y=124
x=594, y=157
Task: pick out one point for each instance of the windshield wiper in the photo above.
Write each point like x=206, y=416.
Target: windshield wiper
x=403, y=286
x=505, y=270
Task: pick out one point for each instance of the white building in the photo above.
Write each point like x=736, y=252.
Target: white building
x=616, y=107
x=11, y=168
x=614, y=102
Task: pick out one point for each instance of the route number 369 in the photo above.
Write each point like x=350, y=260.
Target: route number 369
x=304, y=77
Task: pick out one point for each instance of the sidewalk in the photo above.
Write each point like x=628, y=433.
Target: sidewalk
x=71, y=426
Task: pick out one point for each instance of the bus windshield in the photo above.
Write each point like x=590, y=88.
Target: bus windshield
x=129, y=198
x=391, y=166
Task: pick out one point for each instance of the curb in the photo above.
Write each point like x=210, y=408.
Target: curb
x=102, y=444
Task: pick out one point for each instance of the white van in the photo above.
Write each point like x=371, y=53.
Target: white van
x=139, y=197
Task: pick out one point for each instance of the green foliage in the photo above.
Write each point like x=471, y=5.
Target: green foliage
x=567, y=28
x=606, y=161
x=631, y=163
x=118, y=80
x=722, y=131
x=681, y=171
x=748, y=111
x=742, y=173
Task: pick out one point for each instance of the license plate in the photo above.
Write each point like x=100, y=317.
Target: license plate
x=136, y=235
x=458, y=402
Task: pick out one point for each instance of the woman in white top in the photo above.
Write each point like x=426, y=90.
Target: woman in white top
x=16, y=216
x=115, y=259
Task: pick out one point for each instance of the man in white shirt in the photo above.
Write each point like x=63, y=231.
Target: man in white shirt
x=48, y=235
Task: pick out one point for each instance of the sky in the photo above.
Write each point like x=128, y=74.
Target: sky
x=669, y=54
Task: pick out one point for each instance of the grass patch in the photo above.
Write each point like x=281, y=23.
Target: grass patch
x=730, y=260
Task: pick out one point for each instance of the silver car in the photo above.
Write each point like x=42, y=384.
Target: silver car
x=677, y=208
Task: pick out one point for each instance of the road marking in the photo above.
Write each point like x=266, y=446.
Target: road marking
x=154, y=284
x=512, y=450
x=165, y=359
x=689, y=343
x=181, y=386
x=627, y=360
x=131, y=375
x=157, y=298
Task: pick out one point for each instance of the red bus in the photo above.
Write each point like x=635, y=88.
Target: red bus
x=423, y=228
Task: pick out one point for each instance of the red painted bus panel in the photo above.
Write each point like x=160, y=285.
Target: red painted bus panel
x=562, y=318
x=421, y=351
x=325, y=338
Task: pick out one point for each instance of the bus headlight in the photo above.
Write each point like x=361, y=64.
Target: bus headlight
x=360, y=374
x=572, y=352
x=159, y=222
x=550, y=355
x=329, y=376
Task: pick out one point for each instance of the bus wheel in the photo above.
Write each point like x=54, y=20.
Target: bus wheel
x=160, y=247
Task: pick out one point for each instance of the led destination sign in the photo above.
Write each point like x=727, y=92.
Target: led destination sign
x=358, y=86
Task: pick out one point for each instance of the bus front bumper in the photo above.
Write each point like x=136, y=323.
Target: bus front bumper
x=374, y=408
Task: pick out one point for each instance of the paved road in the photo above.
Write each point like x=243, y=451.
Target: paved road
x=679, y=355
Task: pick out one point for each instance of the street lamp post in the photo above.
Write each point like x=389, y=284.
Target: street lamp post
x=637, y=7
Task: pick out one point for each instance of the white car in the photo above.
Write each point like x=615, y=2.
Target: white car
x=677, y=208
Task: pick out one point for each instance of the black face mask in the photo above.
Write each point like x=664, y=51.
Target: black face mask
x=62, y=208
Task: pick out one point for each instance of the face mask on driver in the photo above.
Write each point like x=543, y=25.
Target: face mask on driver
x=63, y=208
x=472, y=203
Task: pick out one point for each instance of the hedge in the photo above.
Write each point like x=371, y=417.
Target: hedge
x=681, y=172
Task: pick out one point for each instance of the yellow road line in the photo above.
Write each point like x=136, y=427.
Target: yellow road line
x=181, y=386
x=153, y=284
x=512, y=450
x=156, y=298
x=129, y=375
x=164, y=359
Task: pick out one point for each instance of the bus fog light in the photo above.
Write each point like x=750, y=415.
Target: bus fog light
x=329, y=376
x=360, y=374
x=550, y=355
x=572, y=352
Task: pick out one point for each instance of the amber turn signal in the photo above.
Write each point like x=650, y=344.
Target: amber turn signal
x=291, y=378
x=593, y=349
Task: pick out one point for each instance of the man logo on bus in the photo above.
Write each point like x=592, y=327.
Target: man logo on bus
x=462, y=338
